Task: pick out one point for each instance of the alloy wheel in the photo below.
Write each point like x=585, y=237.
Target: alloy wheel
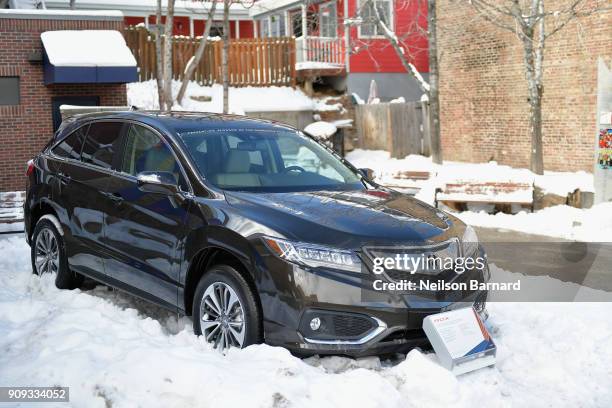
x=47, y=252
x=222, y=317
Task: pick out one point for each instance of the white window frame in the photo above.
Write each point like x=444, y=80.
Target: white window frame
x=391, y=24
x=328, y=5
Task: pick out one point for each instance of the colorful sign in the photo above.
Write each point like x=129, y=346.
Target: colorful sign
x=604, y=154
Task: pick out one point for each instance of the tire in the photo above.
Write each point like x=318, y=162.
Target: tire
x=48, y=245
x=223, y=330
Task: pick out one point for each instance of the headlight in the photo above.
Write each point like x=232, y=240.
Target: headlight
x=469, y=241
x=313, y=255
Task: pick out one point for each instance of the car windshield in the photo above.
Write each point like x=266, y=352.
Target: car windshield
x=266, y=160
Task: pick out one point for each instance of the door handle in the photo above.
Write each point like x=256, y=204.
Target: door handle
x=114, y=197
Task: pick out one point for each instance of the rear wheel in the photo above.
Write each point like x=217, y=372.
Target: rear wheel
x=49, y=256
x=225, y=310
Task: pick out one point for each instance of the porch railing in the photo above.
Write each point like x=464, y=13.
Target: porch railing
x=251, y=61
x=320, y=49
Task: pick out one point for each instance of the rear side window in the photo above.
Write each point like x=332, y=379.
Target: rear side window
x=71, y=146
x=103, y=141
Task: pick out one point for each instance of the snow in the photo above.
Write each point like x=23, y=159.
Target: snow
x=594, y=224
x=388, y=170
x=241, y=100
x=317, y=65
x=321, y=130
x=67, y=13
x=87, y=48
x=561, y=221
x=114, y=350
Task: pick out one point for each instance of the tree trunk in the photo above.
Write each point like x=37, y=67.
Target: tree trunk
x=72, y=4
x=535, y=98
x=535, y=127
x=434, y=100
x=225, y=55
x=197, y=57
x=168, y=57
x=159, y=58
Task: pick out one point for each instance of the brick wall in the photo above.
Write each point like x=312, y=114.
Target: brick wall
x=483, y=90
x=25, y=129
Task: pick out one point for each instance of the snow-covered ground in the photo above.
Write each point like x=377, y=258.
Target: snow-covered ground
x=593, y=224
x=114, y=350
x=241, y=100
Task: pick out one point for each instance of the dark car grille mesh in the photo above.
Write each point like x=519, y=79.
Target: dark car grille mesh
x=350, y=326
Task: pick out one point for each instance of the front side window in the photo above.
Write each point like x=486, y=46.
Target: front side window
x=71, y=146
x=369, y=26
x=146, y=151
x=103, y=141
x=266, y=160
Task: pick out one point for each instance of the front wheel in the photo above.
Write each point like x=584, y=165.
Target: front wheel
x=225, y=310
x=49, y=256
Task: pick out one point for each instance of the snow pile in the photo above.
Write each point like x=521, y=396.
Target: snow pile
x=321, y=130
x=389, y=171
x=241, y=100
x=114, y=350
x=87, y=48
x=591, y=225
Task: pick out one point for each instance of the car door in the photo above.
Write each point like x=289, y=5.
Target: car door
x=86, y=169
x=144, y=230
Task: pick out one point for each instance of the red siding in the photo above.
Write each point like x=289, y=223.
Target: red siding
x=377, y=55
x=132, y=21
x=246, y=29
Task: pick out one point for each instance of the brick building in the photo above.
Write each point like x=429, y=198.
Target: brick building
x=27, y=114
x=483, y=90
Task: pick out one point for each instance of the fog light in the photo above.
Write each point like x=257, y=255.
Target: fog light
x=315, y=323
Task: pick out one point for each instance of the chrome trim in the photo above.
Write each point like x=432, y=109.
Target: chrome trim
x=382, y=326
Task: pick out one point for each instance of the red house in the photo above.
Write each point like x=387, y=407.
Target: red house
x=189, y=16
x=338, y=41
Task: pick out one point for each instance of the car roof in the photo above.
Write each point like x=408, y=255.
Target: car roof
x=179, y=122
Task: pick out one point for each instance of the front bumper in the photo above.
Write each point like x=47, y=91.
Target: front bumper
x=291, y=296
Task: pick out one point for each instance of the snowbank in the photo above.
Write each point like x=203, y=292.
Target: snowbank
x=114, y=350
x=241, y=100
x=591, y=225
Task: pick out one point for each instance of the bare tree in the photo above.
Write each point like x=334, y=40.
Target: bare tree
x=225, y=54
x=159, y=56
x=197, y=57
x=167, y=65
x=532, y=23
x=370, y=13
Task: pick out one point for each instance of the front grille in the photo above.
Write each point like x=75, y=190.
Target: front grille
x=351, y=326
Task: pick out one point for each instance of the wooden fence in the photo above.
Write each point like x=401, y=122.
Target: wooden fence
x=251, y=61
x=400, y=128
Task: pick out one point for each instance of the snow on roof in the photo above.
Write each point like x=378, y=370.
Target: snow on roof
x=87, y=48
x=135, y=7
x=61, y=14
x=266, y=6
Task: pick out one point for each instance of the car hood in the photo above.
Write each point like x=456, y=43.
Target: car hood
x=344, y=218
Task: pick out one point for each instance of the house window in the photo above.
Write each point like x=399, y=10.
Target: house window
x=264, y=27
x=328, y=17
x=369, y=26
x=216, y=29
x=9, y=90
x=277, y=25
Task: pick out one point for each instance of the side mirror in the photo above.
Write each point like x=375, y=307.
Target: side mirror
x=368, y=174
x=157, y=182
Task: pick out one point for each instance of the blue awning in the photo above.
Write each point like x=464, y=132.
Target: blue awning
x=87, y=56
